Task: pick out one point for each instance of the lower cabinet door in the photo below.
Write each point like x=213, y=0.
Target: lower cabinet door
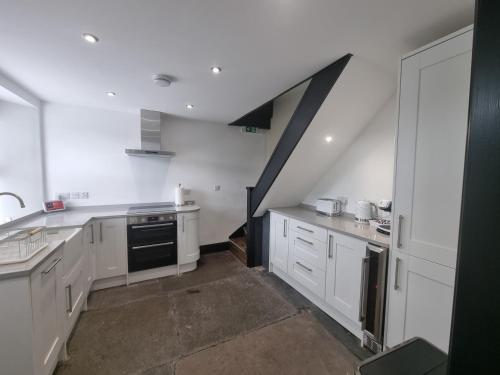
x=307, y=274
x=188, y=243
x=110, y=247
x=278, y=241
x=75, y=283
x=343, y=275
x=420, y=301
x=47, y=300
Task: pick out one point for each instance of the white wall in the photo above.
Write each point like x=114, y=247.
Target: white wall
x=365, y=169
x=284, y=107
x=360, y=92
x=85, y=153
x=20, y=160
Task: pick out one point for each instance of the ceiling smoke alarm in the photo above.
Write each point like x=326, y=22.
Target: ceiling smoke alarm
x=162, y=80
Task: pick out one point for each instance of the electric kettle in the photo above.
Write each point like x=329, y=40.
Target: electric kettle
x=363, y=212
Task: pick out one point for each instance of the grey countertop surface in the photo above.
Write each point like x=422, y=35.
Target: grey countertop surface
x=70, y=218
x=343, y=224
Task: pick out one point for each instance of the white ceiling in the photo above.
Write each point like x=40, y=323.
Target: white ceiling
x=263, y=46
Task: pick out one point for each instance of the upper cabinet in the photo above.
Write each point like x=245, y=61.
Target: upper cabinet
x=433, y=111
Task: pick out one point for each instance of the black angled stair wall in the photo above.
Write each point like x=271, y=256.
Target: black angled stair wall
x=318, y=89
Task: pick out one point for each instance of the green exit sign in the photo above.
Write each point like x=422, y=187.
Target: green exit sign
x=250, y=129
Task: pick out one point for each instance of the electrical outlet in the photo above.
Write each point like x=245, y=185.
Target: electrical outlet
x=84, y=195
x=217, y=188
x=75, y=195
x=187, y=191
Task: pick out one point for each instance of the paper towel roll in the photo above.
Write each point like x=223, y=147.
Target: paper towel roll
x=179, y=195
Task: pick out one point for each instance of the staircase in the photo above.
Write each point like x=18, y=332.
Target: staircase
x=238, y=244
x=246, y=242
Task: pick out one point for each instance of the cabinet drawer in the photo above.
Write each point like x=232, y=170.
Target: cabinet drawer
x=309, y=249
x=308, y=230
x=307, y=274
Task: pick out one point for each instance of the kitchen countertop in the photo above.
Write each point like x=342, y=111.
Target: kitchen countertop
x=70, y=218
x=78, y=217
x=344, y=224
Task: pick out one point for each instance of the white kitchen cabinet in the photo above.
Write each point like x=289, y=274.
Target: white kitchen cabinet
x=343, y=274
x=430, y=152
x=188, y=241
x=75, y=289
x=432, y=130
x=46, y=302
x=90, y=261
x=278, y=241
x=420, y=300
x=110, y=247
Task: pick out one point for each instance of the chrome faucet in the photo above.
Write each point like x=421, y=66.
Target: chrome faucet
x=21, y=202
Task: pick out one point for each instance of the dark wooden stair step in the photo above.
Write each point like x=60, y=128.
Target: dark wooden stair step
x=239, y=248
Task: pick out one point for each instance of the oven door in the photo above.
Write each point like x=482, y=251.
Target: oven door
x=143, y=234
x=142, y=257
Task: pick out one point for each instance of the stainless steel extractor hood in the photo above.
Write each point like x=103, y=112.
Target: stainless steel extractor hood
x=150, y=136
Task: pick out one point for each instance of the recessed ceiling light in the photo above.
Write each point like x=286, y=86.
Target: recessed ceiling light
x=216, y=69
x=328, y=138
x=189, y=106
x=90, y=38
x=111, y=93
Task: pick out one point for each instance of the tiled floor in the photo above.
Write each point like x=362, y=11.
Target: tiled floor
x=220, y=319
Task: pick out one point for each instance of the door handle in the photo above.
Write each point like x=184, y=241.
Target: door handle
x=305, y=241
x=100, y=231
x=396, y=274
x=307, y=230
x=70, y=299
x=92, y=233
x=304, y=267
x=400, y=223
x=362, y=295
x=152, y=226
x=330, y=246
x=153, y=245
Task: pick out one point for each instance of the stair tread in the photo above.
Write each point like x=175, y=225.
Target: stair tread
x=240, y=242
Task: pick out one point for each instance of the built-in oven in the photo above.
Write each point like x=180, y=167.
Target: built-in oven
x=374, y=278
x=152, y=241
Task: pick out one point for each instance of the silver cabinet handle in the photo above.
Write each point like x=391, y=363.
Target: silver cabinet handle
x=284, y=228
x=400, y=223
x=362, y=295
x=100, y=231
x=70, y=299
x=330, y=246
x=183, y=220
x=304, y=267
x=396, y=274
x=307, y=230
x=305, y=241
x=92, y=233
x=152, y=225
x=54, y=263
x=150, y=246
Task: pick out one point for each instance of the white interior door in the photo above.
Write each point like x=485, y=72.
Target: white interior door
x=433, y=112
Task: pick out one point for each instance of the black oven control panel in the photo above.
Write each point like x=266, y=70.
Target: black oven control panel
x=145, y=219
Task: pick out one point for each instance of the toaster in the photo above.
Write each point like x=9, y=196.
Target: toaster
x=329, y=207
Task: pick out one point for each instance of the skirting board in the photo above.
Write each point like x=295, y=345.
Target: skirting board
x=340, y=318
x=214, y=247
